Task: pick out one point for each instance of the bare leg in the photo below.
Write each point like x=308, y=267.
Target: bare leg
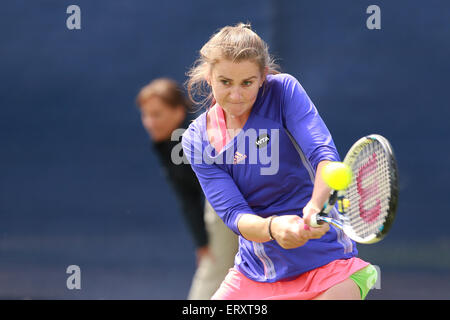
x=345, y=290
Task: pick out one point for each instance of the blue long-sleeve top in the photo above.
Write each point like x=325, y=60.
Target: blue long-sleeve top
x=269, y=169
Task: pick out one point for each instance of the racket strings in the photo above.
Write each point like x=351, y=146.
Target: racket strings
x=370, y=191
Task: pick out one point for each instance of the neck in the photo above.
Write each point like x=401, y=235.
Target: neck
x=238, y=122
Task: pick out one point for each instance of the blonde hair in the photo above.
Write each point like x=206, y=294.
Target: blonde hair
x=234, y=43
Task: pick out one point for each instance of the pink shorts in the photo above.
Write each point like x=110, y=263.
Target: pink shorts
x=307, y=286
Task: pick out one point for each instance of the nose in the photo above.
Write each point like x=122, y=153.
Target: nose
x=148, y=123
x=235, y=95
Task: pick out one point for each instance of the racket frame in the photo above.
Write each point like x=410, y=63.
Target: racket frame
x=335, y=195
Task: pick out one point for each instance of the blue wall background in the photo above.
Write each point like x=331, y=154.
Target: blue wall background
x=79, y=183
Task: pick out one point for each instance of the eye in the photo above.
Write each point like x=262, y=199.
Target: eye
x=247, y=83
x=225, y=82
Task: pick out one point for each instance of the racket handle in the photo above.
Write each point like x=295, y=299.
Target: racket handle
x=314, y=221
x=318, y=219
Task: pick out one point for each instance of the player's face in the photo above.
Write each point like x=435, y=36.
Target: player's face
x=235, y=86
x=159, y=118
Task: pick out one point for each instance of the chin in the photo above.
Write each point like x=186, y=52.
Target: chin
x=157, y=137
x=238, y=111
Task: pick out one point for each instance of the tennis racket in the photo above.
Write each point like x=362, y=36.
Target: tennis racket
x=367, y=208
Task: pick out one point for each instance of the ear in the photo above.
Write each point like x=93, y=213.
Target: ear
x=181, y=111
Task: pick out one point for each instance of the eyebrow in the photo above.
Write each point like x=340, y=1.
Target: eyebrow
x=242, y=80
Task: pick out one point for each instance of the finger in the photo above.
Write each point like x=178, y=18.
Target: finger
x=320, y=231
x=306, y=219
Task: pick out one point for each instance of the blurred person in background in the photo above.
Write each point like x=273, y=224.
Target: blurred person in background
x=163, y=107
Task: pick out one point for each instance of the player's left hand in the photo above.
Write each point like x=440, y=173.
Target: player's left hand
x=309, y=210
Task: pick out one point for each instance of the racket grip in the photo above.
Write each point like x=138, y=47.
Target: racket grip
x=314, y=222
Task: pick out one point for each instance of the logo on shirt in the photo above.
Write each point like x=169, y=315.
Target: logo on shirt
x=238, y=157
x=262, y=140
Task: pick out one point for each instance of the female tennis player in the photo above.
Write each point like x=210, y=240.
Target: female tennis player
x=256, y=112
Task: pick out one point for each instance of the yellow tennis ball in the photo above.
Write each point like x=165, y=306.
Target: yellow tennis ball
x=337, y=175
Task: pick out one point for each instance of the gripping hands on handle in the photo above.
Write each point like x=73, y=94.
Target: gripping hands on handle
x=315, y=221
x=291, y=231
x=310, y=215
